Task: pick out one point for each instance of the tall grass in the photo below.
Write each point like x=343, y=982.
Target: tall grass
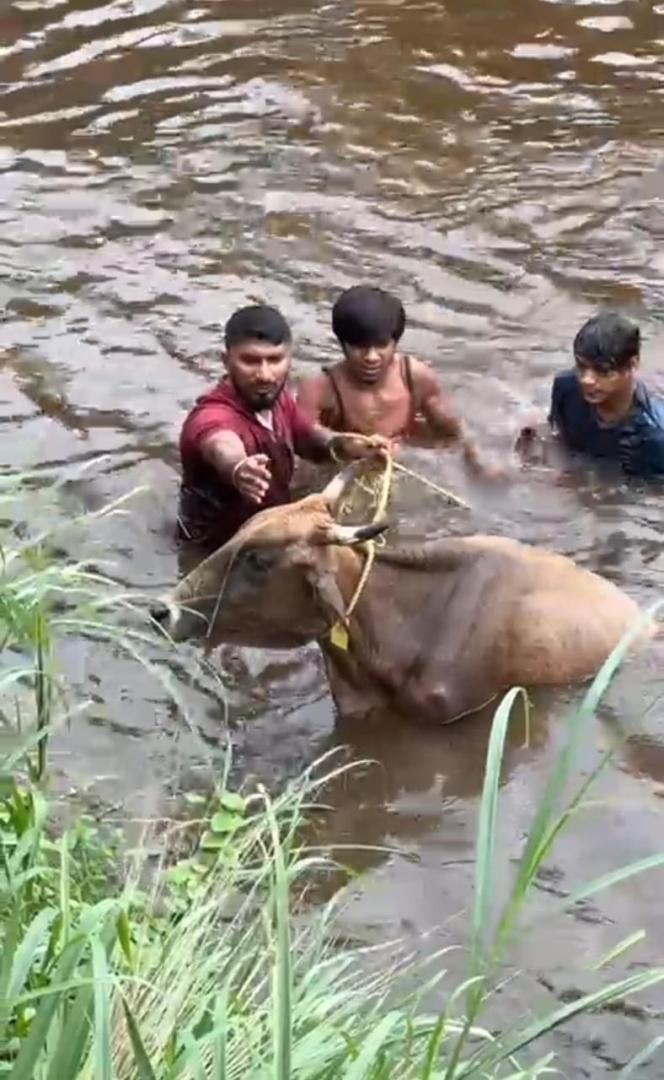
x=218, y=970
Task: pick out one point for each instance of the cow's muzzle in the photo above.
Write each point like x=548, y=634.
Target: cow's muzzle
x=161, y=614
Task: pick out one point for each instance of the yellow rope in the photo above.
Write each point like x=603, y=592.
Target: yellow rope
x=379, y=512
x=338, y=633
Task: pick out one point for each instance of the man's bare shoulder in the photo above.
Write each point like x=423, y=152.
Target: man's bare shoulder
x=313, y=392
x=316, y=378
x=424, y=376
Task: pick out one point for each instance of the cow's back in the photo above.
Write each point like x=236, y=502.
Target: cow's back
x=440, y=629
x=559, y=621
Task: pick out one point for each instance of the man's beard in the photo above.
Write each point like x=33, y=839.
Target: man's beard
x=260, y=399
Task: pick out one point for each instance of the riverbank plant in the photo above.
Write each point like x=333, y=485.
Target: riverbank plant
x=213, y=965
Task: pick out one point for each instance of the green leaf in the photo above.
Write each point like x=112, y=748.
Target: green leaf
x=124, y=935
x=233, y=802
x=223, y=822
x=210, y=842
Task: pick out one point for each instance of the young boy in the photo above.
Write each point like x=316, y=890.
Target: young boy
x=601, y=409
x=375, y=388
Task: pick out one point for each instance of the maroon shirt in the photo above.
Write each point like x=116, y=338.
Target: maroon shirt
x=211, y=509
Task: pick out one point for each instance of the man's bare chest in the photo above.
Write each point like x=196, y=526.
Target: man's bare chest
x=381, y=410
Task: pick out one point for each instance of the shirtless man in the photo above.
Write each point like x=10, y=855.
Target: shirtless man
x=376, y=389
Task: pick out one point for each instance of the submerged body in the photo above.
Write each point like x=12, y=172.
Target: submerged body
x=376, y=389
x=396, y=407
x=239, y=442
x=635, y=441
x=439, y=629
x=446, y=627
x=600, y=410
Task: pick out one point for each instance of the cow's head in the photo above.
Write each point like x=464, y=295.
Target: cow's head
x=274, y=584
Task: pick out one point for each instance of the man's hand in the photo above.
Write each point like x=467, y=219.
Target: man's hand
x=494, y=474
x=482, y=470
x=535, y=441
x=252, y=477
x=354, y=447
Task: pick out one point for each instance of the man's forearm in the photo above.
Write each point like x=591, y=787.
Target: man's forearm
x=322, y=443
x=224, y=451
x=448, y=426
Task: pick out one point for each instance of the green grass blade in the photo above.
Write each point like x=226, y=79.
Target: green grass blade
x=65, y=898
x=282, y=969
x=102, y=1013
x=547, y=822
x=28, y=952
x=372, y=1045
x=144, y=1070
x=645, y=1056
x=33, y=1046
x=434, y=1042
x=633, y=984
x=485, y=850
x=190, y=1059
x=615, y=877
x=221, y=1018
x=97, y=924
x=620, y=949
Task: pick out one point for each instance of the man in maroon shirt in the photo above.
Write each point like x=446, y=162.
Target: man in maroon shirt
x=238, y=443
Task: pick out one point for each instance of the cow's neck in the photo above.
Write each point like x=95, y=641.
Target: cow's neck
x=369, y=672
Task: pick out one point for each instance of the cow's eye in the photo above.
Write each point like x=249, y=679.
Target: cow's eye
x=259, y=561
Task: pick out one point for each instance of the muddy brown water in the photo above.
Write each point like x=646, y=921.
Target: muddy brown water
x=496, y=163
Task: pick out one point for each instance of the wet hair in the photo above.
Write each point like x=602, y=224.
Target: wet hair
x=365, y=315
x=257, y=322
x=607, y=342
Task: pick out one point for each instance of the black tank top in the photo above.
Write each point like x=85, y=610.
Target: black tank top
x=407, y=376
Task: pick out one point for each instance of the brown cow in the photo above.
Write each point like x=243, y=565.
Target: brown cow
x=440, y=629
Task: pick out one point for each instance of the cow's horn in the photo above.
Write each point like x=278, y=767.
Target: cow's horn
x=348, y=535
x=336, y=487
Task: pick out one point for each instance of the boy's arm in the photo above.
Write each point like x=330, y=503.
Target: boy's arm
x=312, y=393
x=656, y=455
x=647, y=459
x=439, y=413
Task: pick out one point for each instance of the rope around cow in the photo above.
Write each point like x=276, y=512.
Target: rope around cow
x=339, y=633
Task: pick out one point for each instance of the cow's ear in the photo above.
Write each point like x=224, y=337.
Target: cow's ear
x=327, y=593
x=321, y=580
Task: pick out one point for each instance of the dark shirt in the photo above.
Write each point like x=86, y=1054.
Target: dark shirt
x=212, y=510
x=636, y=442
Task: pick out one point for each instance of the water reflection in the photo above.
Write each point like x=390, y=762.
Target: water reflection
x=406, y=780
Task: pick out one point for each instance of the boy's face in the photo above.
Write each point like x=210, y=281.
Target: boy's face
x=601, y=385
x=368, y=363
